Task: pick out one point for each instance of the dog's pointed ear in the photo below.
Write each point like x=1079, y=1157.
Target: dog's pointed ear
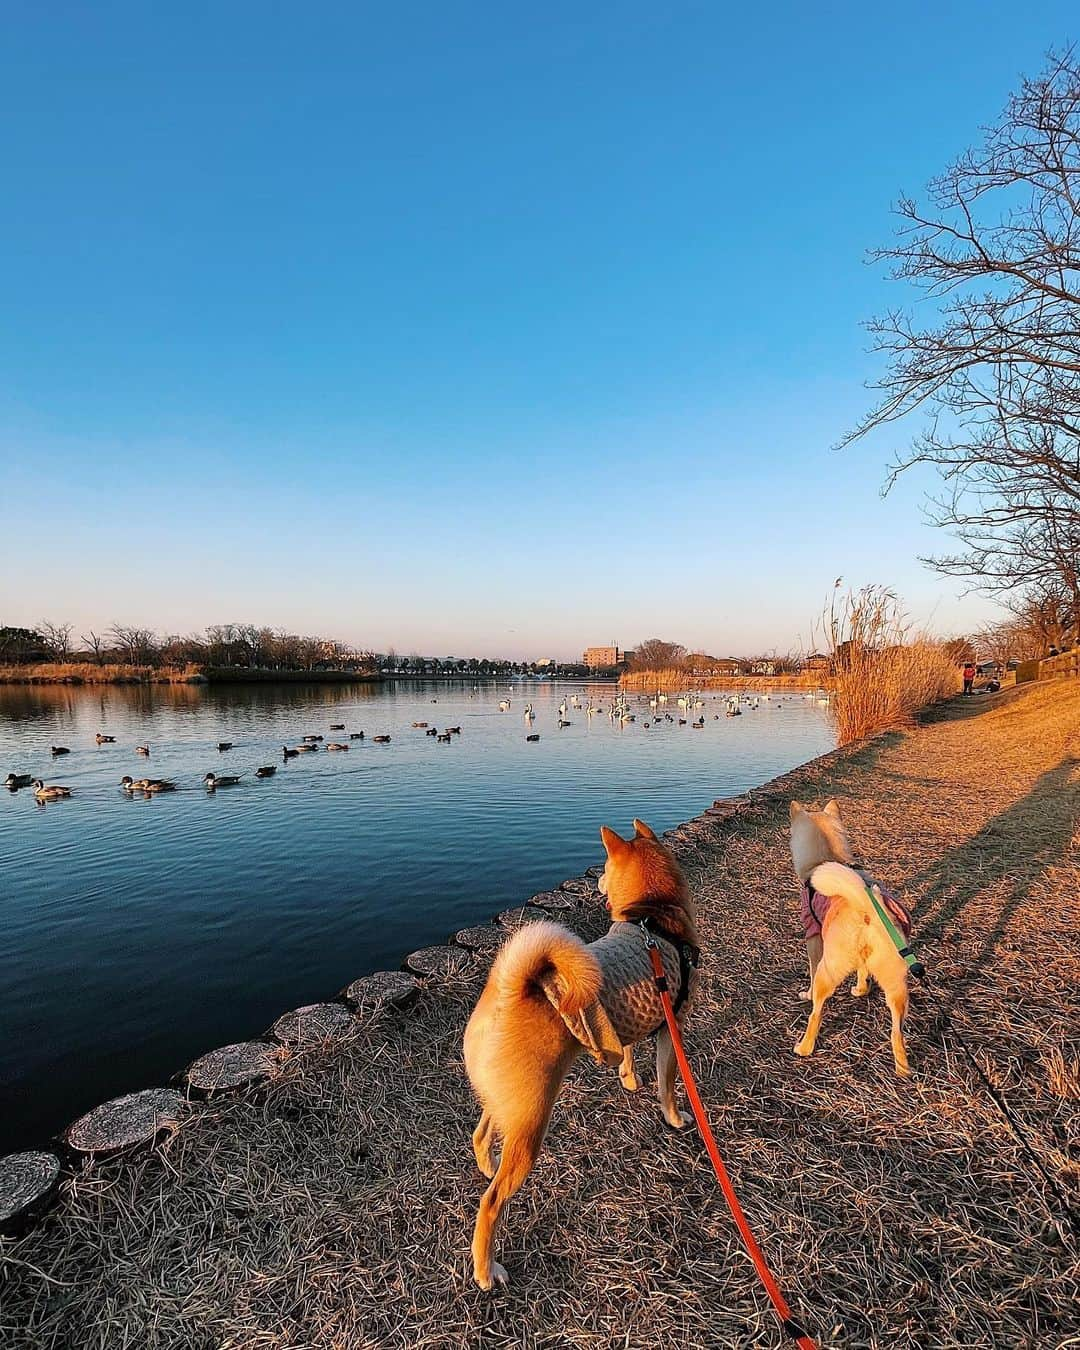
x=643, y=831
x=795, y=809
x=832, y=808
x=614, y=844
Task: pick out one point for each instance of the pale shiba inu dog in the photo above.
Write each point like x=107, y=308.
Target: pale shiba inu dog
x=550, y=997
x=843, y=932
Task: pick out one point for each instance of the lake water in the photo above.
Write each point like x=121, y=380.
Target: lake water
x=136, y=933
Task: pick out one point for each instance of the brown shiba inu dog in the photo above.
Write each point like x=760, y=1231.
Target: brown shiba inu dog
x=550, y=997
x=843, y=933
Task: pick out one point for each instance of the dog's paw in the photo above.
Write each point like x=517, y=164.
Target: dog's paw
x=804, y=1049
x=498, y=1278
x=903, y=1071
x=806, y=996
x=630, y=1081
x=678, y=1120
x=860, y=990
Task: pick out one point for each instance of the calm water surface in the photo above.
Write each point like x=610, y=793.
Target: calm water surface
x=137, y=933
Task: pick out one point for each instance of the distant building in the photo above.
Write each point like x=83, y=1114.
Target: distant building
x=599, y=658
x=545, y=662
x=817, y=661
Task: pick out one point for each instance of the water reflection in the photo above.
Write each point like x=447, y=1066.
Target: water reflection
x=140, y=931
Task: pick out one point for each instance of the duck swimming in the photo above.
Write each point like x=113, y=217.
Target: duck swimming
x=18, y=780
x=267, y=771
x=212, y=781
x=142, y=749
x=60, y=750
x=104, y=740
x=224, y=745
x=337, y=726
x=49, y=794
x=289, y=754
x=152, y=785
x=337, y=745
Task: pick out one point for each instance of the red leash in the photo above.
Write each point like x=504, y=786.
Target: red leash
x=776, y=1297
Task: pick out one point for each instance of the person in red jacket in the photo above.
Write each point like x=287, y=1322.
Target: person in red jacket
x=969, y=676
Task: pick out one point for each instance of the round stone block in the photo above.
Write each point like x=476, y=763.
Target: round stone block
x=124, y=1122
x=442, y=963
x=579, y=886
x=315, y=1022
x=483, y=937
x=233, y=1066
x=520, y=915
x=382, y=989
x=555, y=900
x=28, y=1182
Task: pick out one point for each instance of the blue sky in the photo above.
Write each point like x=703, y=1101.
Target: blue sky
x=467, y=328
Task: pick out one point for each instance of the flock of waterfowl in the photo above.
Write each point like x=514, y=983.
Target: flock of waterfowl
x=618, y=710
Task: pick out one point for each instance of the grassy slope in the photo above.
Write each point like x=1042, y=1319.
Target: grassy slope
x=336, y=1210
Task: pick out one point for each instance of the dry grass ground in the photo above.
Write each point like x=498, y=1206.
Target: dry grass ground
x=335, y=1210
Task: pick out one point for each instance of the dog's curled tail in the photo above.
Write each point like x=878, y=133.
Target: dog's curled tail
x=541, y=950
x=833, y=878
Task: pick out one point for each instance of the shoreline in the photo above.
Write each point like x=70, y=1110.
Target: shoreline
x=724, y=846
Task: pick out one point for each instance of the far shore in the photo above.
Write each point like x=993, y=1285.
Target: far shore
x=85, y=672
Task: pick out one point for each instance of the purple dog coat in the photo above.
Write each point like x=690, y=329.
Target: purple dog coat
x=813, y=906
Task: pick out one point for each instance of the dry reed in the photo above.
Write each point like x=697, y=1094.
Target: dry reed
x=883, y=673
x=88, y=672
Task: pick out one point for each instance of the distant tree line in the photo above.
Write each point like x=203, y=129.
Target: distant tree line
x=234, y=645
x=242, y=646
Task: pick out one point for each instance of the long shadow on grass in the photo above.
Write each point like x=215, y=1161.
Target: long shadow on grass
x=1022, y=843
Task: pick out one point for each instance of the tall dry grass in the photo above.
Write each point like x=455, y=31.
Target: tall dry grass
x=649, y=681
x=86, y=672
x=884, y=671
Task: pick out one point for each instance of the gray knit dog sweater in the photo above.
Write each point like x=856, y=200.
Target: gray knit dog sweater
x=629, y=1007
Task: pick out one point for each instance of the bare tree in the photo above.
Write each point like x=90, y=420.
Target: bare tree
x=657, y=654
x=997, y=250
x=138, y=645
x=57, y=638
x=95, y=644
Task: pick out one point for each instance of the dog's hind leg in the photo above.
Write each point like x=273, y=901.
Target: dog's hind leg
x=897, y=998
x=814, y=949
x=627, y=1076
x=518, y=1155
x=824, y=984
x=862, y=983
x=665, y=1080
x=481, y=1143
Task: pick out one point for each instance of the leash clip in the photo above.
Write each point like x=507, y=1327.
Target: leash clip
x=650, y=941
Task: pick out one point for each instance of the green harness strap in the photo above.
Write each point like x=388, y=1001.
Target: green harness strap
x=899, y=941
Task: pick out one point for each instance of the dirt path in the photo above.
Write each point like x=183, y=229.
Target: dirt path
x=335, y=1209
